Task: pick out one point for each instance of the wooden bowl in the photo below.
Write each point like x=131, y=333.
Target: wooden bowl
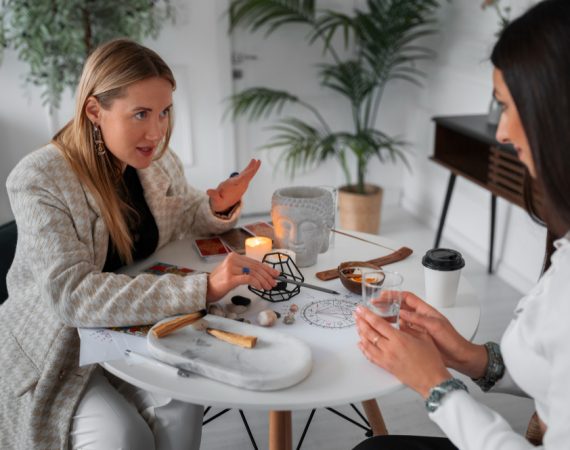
x=349, y=271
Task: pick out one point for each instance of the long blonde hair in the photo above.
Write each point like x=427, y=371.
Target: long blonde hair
x=107, y=73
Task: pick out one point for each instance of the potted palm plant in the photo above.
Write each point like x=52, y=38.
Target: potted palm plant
x=383, y=39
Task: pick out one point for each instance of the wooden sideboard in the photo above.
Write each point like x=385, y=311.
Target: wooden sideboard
x=466, y=146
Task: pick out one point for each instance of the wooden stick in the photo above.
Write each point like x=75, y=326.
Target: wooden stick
x=361, y=239
x=396, y=256
x=166, y=328
x=233, y=338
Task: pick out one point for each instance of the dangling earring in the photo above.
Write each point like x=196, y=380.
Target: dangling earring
x=98, y=139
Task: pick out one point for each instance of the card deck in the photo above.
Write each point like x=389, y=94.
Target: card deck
x=235, y=239
x=260, y=229
x=209, y=247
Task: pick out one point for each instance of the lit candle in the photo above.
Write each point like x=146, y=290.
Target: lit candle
x=257, y=247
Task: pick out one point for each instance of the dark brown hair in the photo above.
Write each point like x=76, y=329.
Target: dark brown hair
x=533, y=55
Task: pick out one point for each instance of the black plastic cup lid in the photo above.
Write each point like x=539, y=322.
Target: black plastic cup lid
x=444, y=259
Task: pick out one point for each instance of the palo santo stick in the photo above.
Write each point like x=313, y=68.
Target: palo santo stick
x=166, y=328
x=233, y=338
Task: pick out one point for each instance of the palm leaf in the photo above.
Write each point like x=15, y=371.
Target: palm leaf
x=270, y=14
x=303, y=145
x=350, y=79
x=258, y=102
x=327, y=25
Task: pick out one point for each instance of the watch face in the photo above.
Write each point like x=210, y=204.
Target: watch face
x=330, y=313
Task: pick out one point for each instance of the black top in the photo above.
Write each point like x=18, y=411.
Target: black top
x=140, y=220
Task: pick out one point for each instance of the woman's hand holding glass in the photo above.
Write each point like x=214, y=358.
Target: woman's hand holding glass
x=410, y=355
x=236, y=270
x=456, y=351
x=230, y=191
x=419, y=352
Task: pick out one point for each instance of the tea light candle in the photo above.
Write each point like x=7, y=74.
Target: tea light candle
x=275, y=259
x=257, y=247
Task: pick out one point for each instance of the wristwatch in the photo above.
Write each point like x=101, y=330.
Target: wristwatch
x=437, y=393
x=495, y=367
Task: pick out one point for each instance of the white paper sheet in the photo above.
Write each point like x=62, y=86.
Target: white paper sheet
x=101, y=344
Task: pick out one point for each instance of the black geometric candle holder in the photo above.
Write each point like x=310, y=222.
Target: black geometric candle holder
x=282, y=291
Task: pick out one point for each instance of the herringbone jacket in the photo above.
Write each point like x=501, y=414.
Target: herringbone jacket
x=56, y=285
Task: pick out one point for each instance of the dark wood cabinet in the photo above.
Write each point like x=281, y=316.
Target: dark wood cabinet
x=466, y=146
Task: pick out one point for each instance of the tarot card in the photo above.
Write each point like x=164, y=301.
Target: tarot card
x=210, y=247
x=260, y=229
x=160, y=268
x=235, y=239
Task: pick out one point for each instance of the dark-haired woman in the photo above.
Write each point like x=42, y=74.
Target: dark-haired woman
x=532, y=83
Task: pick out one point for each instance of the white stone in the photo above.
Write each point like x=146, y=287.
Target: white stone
x=267, y=318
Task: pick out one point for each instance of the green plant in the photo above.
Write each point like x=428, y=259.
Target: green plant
x=383, y=43
x=54, y=37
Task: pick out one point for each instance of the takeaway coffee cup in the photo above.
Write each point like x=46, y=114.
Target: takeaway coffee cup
x=442, y=267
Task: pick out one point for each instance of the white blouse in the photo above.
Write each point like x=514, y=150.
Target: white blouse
x=536, y=352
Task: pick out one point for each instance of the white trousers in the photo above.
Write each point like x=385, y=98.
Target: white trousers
x=130, y=418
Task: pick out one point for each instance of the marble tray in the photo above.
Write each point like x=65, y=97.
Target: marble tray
x=276, y=362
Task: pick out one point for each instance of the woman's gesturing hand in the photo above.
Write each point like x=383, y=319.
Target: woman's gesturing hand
x=410, y=355
x=236, y=270
x=456, y=351
x=230, y=191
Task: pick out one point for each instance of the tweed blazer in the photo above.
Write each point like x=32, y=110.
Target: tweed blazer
x=55, y=285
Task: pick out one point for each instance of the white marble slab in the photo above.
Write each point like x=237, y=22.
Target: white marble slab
x=276, y=362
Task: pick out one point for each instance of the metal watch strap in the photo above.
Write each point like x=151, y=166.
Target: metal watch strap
x=495, y=367
x=437, y=393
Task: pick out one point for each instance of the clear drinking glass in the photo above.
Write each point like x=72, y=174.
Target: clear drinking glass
x=382, y=294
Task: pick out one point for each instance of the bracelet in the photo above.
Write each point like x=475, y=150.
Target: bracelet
x=495, y=367
x=226, y=214
x=436, y=393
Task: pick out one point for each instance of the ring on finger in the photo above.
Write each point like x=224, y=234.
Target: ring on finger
x=245, y=270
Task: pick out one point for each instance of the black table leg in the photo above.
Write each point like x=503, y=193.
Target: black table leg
x=450, y=185
x=492, y=243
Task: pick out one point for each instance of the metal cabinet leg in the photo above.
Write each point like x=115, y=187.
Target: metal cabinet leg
x=450, y=185
x=492, y=243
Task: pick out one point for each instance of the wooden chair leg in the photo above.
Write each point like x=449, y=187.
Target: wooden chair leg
x=375, y=418
x=280, y=430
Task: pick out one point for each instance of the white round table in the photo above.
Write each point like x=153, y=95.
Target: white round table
x=340, y=373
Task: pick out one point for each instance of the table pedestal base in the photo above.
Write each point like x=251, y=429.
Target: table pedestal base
x=375, y=418
x=280, y=436
x=280, y=431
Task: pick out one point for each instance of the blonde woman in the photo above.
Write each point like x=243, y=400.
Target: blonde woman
x=107, y=191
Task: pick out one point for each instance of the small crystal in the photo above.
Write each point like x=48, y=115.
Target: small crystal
x=289, y=319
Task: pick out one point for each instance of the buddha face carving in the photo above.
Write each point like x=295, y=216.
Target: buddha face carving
x=302, y=218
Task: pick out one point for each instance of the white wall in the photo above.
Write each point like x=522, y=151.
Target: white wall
x=459, y=82
x=197, y=49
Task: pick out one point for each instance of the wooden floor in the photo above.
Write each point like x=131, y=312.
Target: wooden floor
x=403, y=411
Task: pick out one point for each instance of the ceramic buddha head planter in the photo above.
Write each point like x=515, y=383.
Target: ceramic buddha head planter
x=302, y=218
